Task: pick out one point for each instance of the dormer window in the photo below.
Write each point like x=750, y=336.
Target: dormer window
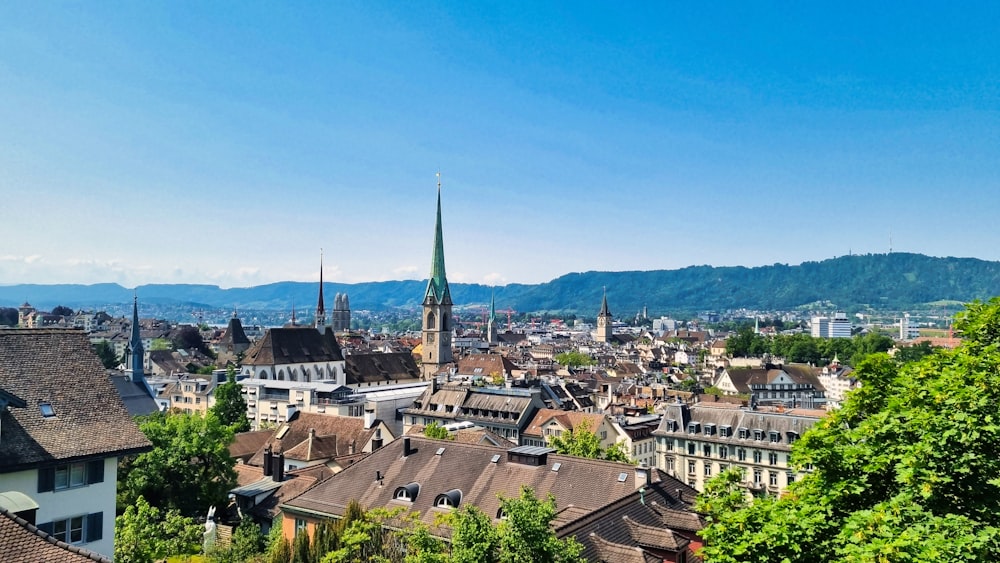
x=744, y=433
x=709, y=429
x=407, y=493
x=775, y=437
x=758, y=434
x=725, y=431
x=792, y=437
x=450, y=499
x=693, y=427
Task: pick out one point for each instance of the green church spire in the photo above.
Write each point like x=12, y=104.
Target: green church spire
x=493, y=305
x=437, y=286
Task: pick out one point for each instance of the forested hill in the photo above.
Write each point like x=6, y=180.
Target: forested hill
x=883, y=281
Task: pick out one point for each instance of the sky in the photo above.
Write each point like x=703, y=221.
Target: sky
x=227, y=143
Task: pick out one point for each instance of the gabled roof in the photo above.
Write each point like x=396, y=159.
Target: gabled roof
x=482, y=474
x=234, y=333
x=338, y=432
x=57, y=367
x=365, y=368
x=568, y=420
x=484, y=364
x=136, y=396
x=25, y=543
x=294, y=345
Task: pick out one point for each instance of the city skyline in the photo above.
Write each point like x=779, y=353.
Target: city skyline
x=227, y=144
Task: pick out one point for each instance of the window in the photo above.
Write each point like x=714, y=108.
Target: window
x=692, y=428
x=726, y=431
x=790, y=477
x=708, y=469
x=47, y=410
x=772, y=458
x=707, y=450
x=70, y=476
x=723, y=452
x=77, y=529
x=670, y=463
x=775, y=437
x=744, y=433
x=772, y=478
x=741, y=454
x=690, y=448
x=670, y=445
x=300, y=525
x=756, y=456
x=691, y=468
x=723, y=467
x=756, y=476
x=758, y=434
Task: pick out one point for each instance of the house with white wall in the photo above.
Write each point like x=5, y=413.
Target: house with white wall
x=63, y=428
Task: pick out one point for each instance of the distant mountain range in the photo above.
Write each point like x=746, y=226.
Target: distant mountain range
x=896, y=281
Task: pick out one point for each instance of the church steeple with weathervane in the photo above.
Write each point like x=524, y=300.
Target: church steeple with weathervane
x=492, y=335
x=135, y=343
x=320, y=320
x=604, y=321
x=437, y=319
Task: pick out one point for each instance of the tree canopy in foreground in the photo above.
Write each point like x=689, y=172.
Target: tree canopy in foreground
x=908, y=469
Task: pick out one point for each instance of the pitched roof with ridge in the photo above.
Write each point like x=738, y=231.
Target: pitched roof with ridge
x=294, y=345
x=23, y=542
x=84, y=417
x=332, y=438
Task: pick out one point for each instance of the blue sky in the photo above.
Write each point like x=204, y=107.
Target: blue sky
x=226, y=143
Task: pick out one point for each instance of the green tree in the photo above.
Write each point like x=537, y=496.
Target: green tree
x=189, y=468
x=574, y=359
x=230, y=406
x=905, y=470
x=106, y=352
x=438, y=432
x=473, y=537
x=525, y=533
x=581, y=442
x=144, y=534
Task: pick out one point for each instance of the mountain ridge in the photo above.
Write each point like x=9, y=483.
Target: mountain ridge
x=893, y=281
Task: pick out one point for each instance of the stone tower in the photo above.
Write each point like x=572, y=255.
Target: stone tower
x=437, y=320
x=604, y=321
x=492, y=334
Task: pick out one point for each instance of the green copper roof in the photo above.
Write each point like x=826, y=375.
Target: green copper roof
x=437, y=286
x=493, y=306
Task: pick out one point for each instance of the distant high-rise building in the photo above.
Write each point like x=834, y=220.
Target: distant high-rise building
x=437, y=319
x=837, y=326
x=908, y=330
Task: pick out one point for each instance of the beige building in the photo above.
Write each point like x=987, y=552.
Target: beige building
x=696, y=443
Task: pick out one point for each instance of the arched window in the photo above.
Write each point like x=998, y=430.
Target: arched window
x=451, y=499
x=444, y=321
x=263, y=374
x=430, y=320
x=281, y=375
x=407, y=492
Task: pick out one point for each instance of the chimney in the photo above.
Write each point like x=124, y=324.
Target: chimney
x=279, y=467
x=267, y=462
x=369, y=418
x=406, y=446
x=643, y=476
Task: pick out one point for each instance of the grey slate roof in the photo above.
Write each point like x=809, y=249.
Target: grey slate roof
x=136, y=396
x=58, y=367
x=294, y=345
x=366, y=368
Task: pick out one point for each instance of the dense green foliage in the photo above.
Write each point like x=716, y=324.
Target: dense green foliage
x=896, y=281
x=803, y=348
x=230, y=407
x=106, y=353
x=144, y=534
x=8, y=316
x=574, y=359
x=189, y=468
x=581, y=442
x=906, y=470
x=435, y=430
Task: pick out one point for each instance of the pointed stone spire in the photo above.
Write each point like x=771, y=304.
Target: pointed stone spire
x=320, y=308
x=604, y=304
x=493, y=305
x=135, y=343
x=437, y=285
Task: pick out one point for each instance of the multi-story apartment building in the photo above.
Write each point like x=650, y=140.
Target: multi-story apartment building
x=837, y=326
x=696, y=443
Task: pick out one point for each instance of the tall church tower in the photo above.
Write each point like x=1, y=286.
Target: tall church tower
x=492, y=336
x=604, y=321
x=135, y=343
x=320, y=320
x=437, y=320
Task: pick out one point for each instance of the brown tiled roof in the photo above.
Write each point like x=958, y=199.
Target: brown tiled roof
x=294, y=345
x=339, y=431
x=290, y=488
x=582, y=484
x=608, y=552
x=485, y=363
x=569, y=420
x=246, y=474
x=245, y=444
x=22, y=542
x=58, y=367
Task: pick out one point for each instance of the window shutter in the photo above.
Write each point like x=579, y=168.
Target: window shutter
x=46, y=479
x=46, y=527
x=95, y=526
x=95, y=471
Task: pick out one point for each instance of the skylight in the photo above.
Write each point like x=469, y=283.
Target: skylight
x=440, y=451
x=622, y=477
x=495, y=458
x=556, y=466
x=47, y=410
